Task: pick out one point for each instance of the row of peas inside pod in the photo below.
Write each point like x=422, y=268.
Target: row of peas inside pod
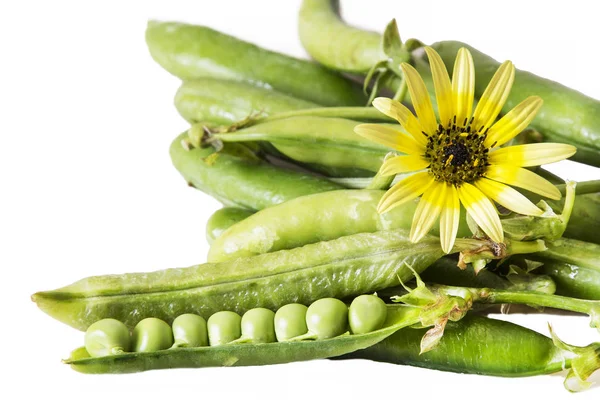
x=323, y=319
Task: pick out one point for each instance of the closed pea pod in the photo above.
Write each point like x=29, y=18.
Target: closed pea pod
x=107, y=336
x=257, y=326
x=352, y=265
x=189, y=330
x=222, y=102
x=366, y=313
x=191, y=51
x=152, y=334
x=242, y=182
x=290, y=321
x=224, y=327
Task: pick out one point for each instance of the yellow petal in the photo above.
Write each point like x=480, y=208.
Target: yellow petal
x=507, y=197
x=494, y=97
x=463, y=85
x=407, y=189
x=395, y=109
x=427, y=211
x=522, y=178
x=514, y=122
x=529, y=155
x=481, y=209
x=420, y=98
x=389, y=137
x=402, y=164
x=449, y=219
x=443, y=86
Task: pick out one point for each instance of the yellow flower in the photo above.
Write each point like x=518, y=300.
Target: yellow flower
x=458, y=159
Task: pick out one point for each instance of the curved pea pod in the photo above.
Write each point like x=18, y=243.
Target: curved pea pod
x=333, y=43
x=227, y=102
x=574, y=266
x=222, y=219
x=567, y=116
x=244, y=354
x=242, y=182
x=191, y=51
x=478, y=345
x=348, y=266
x=330, y=142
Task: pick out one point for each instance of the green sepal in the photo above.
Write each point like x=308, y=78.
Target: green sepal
x=582, y=367
x=436, y=309
x=550, y=225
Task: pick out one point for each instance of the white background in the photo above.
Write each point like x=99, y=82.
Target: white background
x=87, y=187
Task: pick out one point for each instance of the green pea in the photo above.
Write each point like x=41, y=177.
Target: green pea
x=258, y=325
x=189, y=330
x=152, y=334
x=224, y=327
x=107, y=337
x=367, y=313
x=327, y=318
x=290, y=321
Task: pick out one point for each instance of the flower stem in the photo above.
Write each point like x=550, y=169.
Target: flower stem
x=358, y=113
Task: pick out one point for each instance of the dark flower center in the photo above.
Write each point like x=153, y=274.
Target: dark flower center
x=457, y=154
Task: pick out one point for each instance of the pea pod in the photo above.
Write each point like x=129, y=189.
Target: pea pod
x=477, y=345
x=335, y=214
x=330, y=142
x=222, y=219
x=574, y=266
x=324, y=269
x=243, y=354
x=242, y=182
x=190, y=52
x=226, y=102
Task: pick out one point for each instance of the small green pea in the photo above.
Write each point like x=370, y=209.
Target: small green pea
x=367, y=313
x=152, y=334
x=107, y=337
x=290, y=321
x=224, y=327
x=258, y=325
x=189, y=330
x=327, y=318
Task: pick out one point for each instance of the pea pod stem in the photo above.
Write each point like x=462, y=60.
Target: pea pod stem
x=356, y=113
x=529, y=298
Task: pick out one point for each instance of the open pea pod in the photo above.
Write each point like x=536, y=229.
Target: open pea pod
x=398, y=317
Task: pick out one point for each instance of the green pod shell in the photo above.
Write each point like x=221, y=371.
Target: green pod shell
x=151, y=334
x=574, y=266
x=242, y=182
x=311, y=219
x=474, y=345
x=191, y=51
x=222, y=219
x=190, y=330
x=345, y=267
x=567, y=116
x=330, y=142
x=226, y=102
x=243, y=354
